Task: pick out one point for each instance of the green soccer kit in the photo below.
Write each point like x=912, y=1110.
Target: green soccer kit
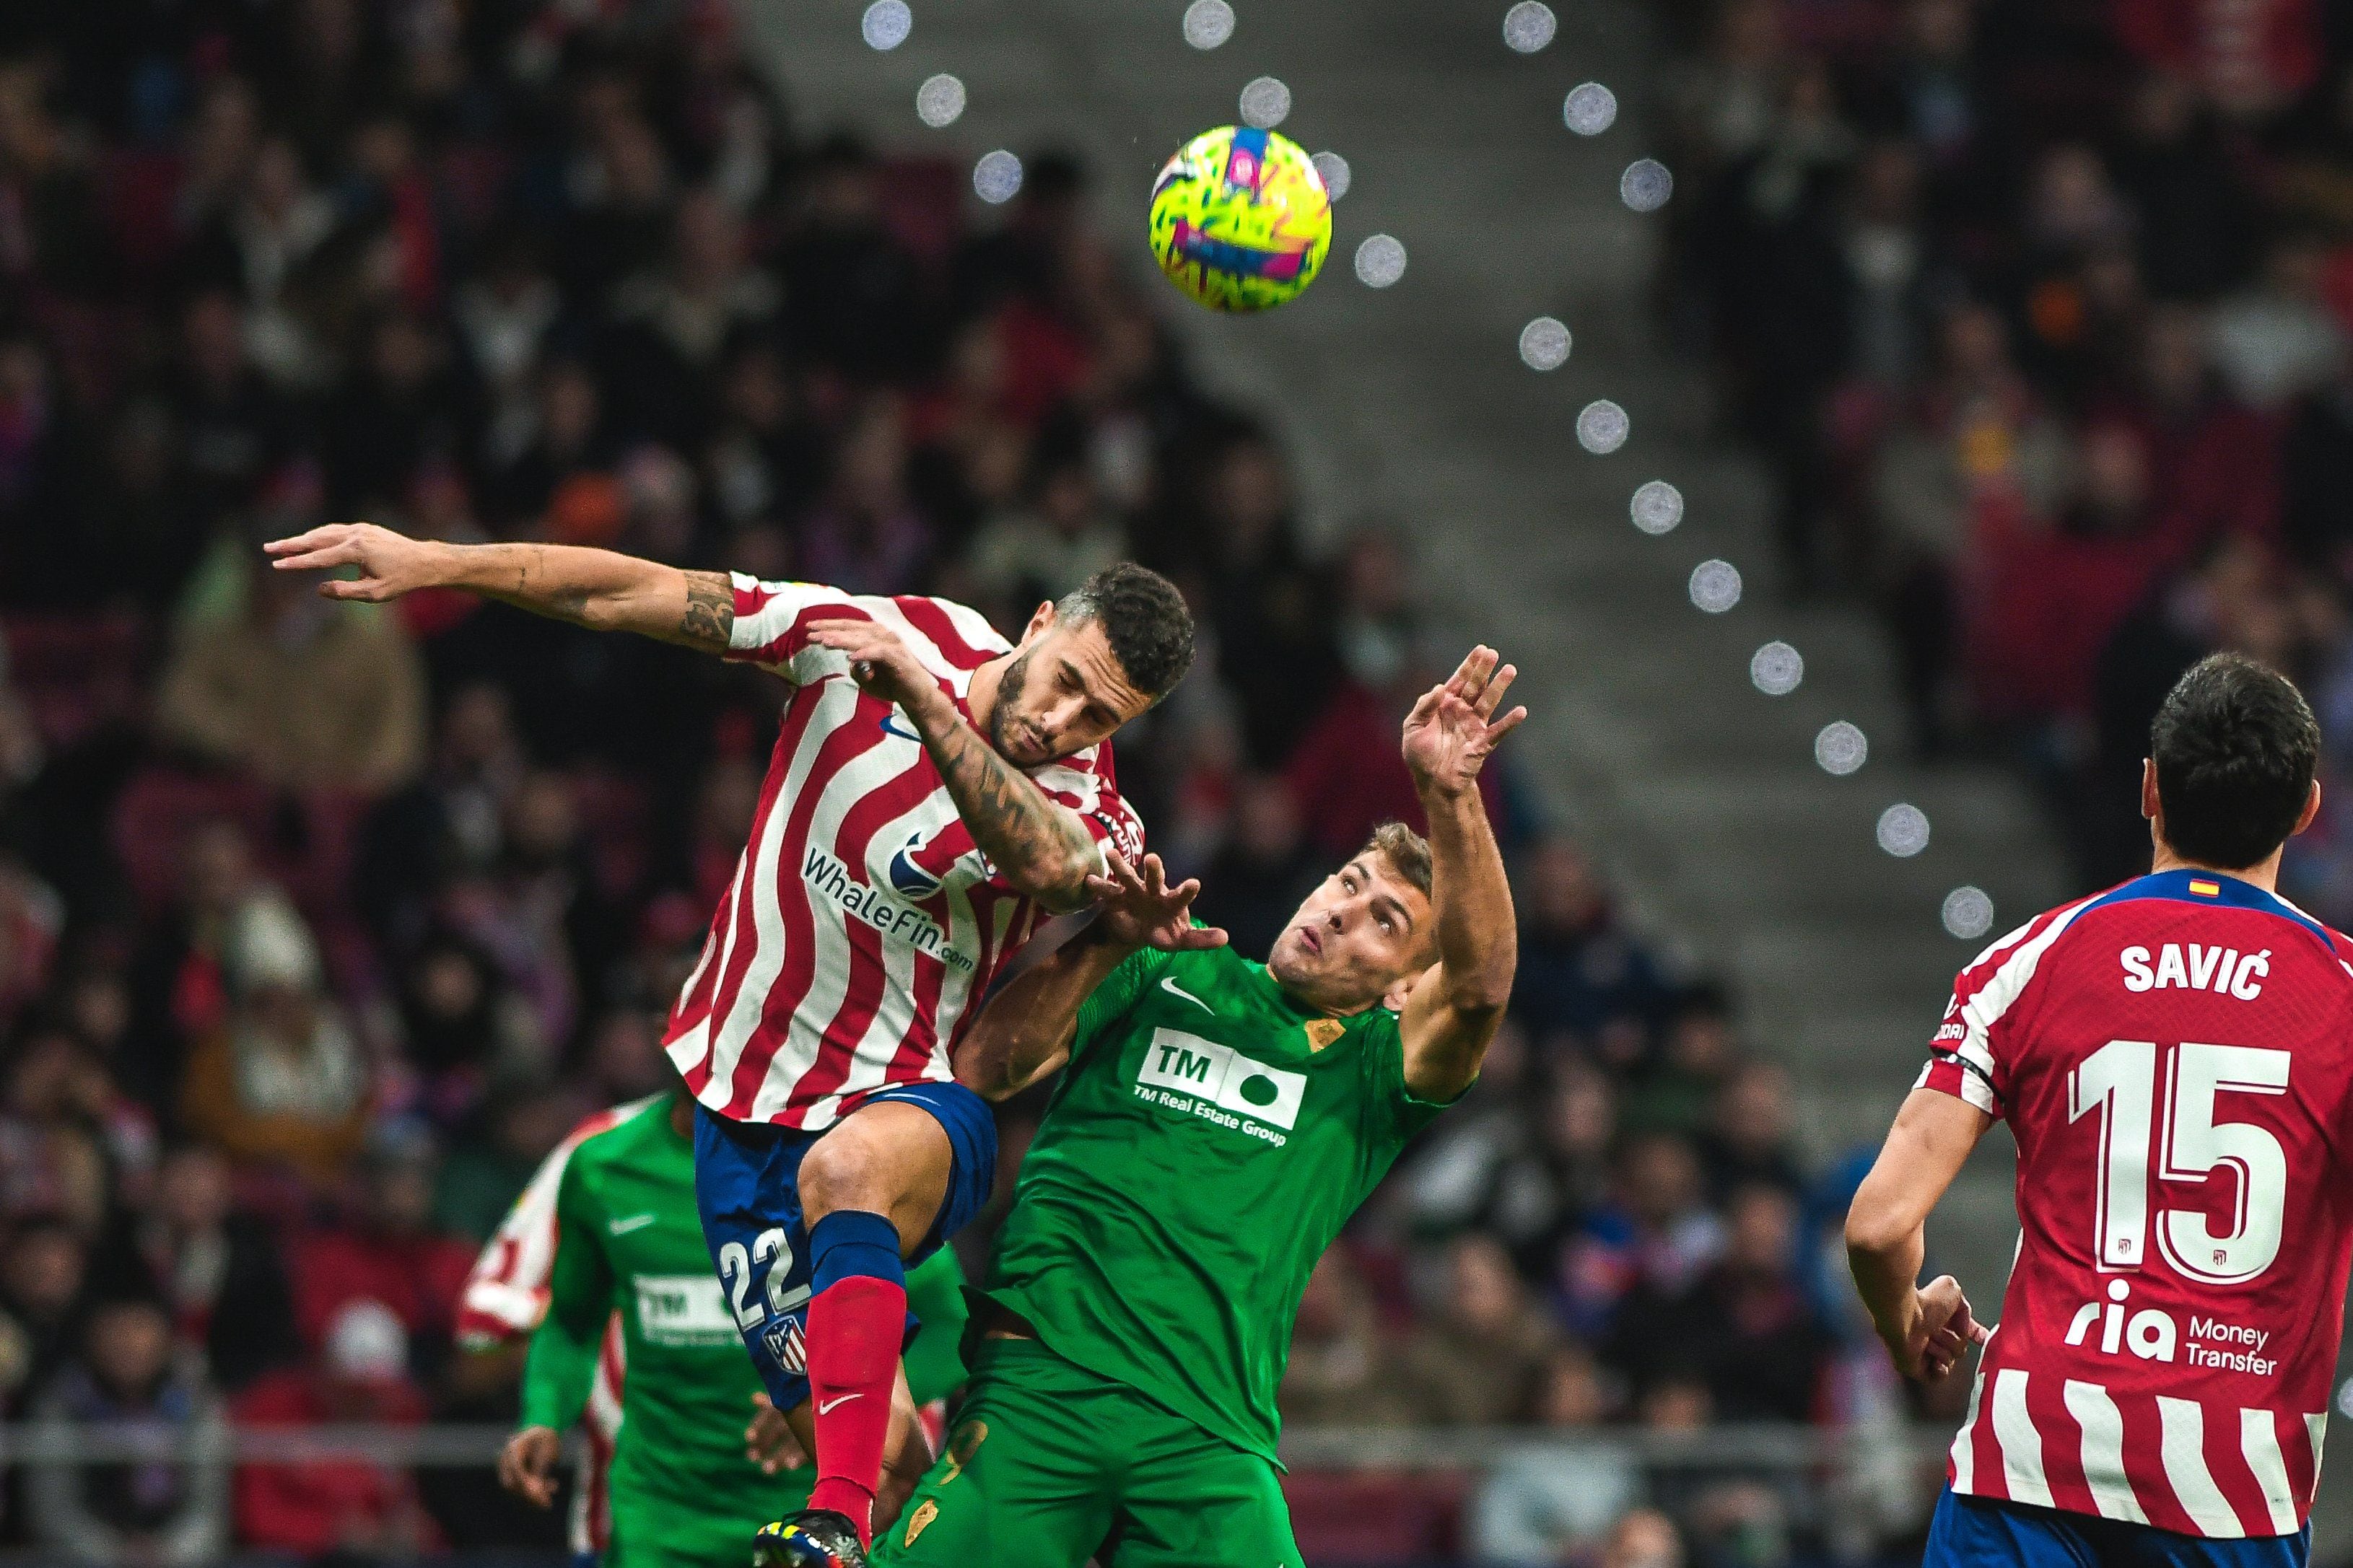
x=1207, y=1142
x=629, y=1242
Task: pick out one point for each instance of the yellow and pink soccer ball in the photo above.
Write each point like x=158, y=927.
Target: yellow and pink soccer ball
x=1240, y=220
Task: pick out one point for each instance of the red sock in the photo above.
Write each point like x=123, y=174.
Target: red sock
x=854, y=1328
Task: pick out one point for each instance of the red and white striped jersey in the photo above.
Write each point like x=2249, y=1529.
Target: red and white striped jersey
x=2175, y=1060
x=506, y=1296
x=862, y=921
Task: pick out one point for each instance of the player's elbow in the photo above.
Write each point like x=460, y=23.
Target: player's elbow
x=1875, y=1229
x=1056, y=879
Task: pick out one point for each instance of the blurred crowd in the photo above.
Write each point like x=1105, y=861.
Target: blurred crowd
x=321, y=924
x=2039, y=312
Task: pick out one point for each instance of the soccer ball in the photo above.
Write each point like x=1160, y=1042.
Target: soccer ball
x=1240, y=219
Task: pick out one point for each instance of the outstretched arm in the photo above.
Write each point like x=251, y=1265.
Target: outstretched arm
x=1041, y=847
x=1459, y=1000
x=1024, y=1029
x=1927, y=1329
x=600, y=589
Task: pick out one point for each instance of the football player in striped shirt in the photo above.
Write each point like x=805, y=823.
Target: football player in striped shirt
x=2175, y=1059
x=935, y=792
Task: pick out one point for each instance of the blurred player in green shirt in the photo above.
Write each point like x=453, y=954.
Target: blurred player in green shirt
x=1219, y=1123
x=638, y=1343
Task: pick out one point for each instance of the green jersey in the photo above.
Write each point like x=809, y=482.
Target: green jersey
x=1206, y=1145
x=629, y=1247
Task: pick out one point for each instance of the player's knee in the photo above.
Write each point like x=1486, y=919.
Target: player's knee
x=846, y=1169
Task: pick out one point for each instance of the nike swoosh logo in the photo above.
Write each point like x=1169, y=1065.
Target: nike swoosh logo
x=635, y=1222
x=827, y=1407
x=1168, y=983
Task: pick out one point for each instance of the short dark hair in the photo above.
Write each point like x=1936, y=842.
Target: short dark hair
x=2235, y=746
x=1144, y=619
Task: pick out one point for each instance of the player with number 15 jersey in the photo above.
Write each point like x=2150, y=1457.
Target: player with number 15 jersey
x=2174, y=1058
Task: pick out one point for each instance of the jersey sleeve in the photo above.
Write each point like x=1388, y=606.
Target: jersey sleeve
x=1398, y=1114
x=771, y=622
x=562, y=1365
x=1087, y=786
x=1108, y=1002
x=1968, y=1056
x=506, y=1294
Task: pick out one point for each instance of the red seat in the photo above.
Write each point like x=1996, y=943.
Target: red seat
x=74, y=672
x=155, y=811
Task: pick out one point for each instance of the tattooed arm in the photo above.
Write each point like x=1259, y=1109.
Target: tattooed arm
x=600, y=589
x=1040, y=845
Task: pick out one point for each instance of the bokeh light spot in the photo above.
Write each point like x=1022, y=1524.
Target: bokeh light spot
x=1544, y=344
x=1658, y=507
x=1903, y=830
x=1380, y=261
x=1776, y=670
x=886, y=23
x=1715, y=586
x=1645, y=185
x=996, y=177
x=1209, y=23
x=1968, y=912
x=1591, y=109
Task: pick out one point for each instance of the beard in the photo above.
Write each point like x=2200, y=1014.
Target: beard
x=1001, y=732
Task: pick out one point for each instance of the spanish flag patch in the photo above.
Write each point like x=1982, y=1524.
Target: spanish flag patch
x=2206, y=889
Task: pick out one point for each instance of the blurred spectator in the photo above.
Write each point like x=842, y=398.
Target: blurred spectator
x=219, y=1271
x=300, y=692
x=281, y=1082
x=389, y=1254
x=1694, y=1063
x=1643, y=1539
x=1751, y=1137
x=1580, y=971
x=1058, y=537
x=170, y=1509
x=1652, y=1234
x=359, y=1376
x=1745, y=1326
x=42, y=1270
x=1342, y=1370
x=1559, y=1499
x=1477, y=1359
x=1263, y=869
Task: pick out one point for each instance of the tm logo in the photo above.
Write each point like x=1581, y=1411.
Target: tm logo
x=1223, y=1076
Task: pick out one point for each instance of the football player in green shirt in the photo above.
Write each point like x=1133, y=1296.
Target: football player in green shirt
x=684, y=1487
x=1218, y=1123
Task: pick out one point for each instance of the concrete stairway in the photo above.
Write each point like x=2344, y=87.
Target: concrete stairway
x=1700, y=793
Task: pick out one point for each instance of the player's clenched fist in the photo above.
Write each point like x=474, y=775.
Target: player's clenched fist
x=1942, y=1334
x=527, y=1464
x=390, y=564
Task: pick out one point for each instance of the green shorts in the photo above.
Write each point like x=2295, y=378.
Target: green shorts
x=1049, y=1465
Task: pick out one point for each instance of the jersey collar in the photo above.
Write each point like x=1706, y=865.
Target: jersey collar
x=2213, y=887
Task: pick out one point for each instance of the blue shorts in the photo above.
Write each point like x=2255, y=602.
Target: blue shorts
x=1984, y=1532
x=747, y=1188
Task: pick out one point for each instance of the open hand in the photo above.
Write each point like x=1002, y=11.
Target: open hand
x=527, y=1464
x=768, y=1441
x=879, y=659
x=1942, y=1337
x=1139, y=909
x=390, y=563
x=1451, y=731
